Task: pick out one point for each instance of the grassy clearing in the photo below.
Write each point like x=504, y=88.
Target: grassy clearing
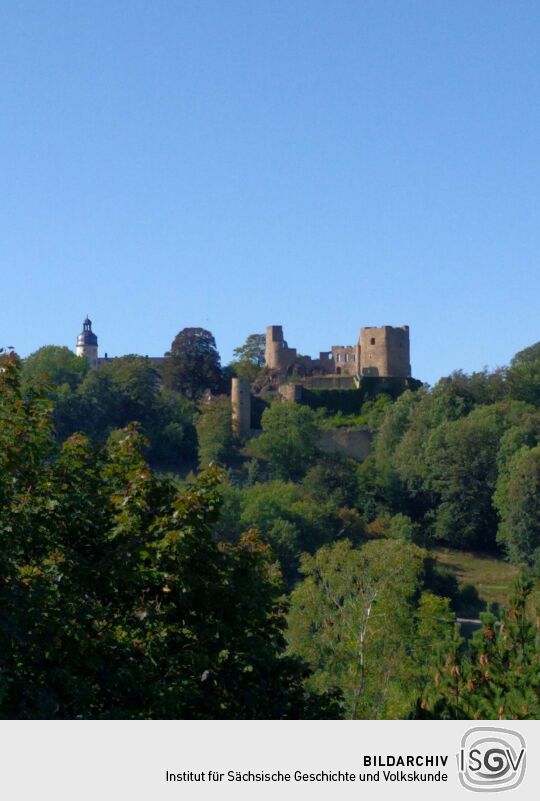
x=482, y=580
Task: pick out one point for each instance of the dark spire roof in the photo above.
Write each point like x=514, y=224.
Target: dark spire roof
x=87, y=336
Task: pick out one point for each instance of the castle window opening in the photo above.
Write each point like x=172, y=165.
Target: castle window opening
x=372, y=340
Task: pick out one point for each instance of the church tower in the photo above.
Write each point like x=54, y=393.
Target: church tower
x=87, y=343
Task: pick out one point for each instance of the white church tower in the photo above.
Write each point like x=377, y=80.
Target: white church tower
x=87, y=344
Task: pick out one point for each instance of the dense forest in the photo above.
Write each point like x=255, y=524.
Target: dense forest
x=154, y=566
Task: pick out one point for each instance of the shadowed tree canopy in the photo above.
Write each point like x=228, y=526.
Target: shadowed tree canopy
x=122, y=391
x=193, y=365
x=117, y=600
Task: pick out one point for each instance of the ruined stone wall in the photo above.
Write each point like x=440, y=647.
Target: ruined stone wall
x=345, y=358
x=277, y=354
x=323, y=364
x=355, y=443
x=384, y=351
x=381, y=351
x=290, y=392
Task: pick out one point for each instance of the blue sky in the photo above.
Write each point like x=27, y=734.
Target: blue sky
x=240, y=163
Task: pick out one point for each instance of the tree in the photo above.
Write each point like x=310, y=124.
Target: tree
x=252, y=350
x=123, y=391
x=171, y=431
x=462, y=459
x=117, y=599
x=496, y=676
x=523, y=375
x=55, y=366
x=524, y=382
x=352, y=619
x=517, y=499
x=249, y=358
x=192, y=365
x=528, y=355
x=333, y=478
x=277, y=509
x=217, y=442
x=289, y=439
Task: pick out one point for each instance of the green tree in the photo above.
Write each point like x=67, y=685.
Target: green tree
x=352, y=619
x=217, y=442
x=462, y=457
x=171, y=430
x=55, y=366
x=517, y=499
x=529, y=355
x=289, y=439
x=333, y=479
x=496, y=676
x=252, y=350
x=289, y=522
x=523, y=375
x=117, y=599
x=193, y=365
x=123, y=391
x=249, y=357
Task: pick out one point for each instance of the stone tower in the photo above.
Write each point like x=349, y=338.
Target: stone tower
x=241, y=407
x=87, y=344
x=385, y=351
x=277, y=354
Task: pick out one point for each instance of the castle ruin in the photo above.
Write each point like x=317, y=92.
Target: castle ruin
x=380, y=351
x=381, y=355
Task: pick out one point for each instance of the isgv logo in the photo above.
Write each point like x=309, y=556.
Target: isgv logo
x=491, y=759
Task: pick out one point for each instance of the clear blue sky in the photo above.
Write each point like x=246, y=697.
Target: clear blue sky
x=239, y=163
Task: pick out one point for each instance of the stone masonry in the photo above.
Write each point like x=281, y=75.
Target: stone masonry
x=380, y=351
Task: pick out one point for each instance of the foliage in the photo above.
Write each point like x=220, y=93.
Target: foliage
x=117, y=601
x=352, y=619
x=55, y=366
x=371, y=415
x=462, y=455
x=523, y=376
x=346, y=401
x=438, y=457
x=332, y=479
x=495, y=676
x=249, y=357
x=518, y=503
x=121, y=391
x=289, y=439
x=217, y=442
x=252, y=350
x=528, y=355
x=288, y=520
x=127, y=594
x=192, y=365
